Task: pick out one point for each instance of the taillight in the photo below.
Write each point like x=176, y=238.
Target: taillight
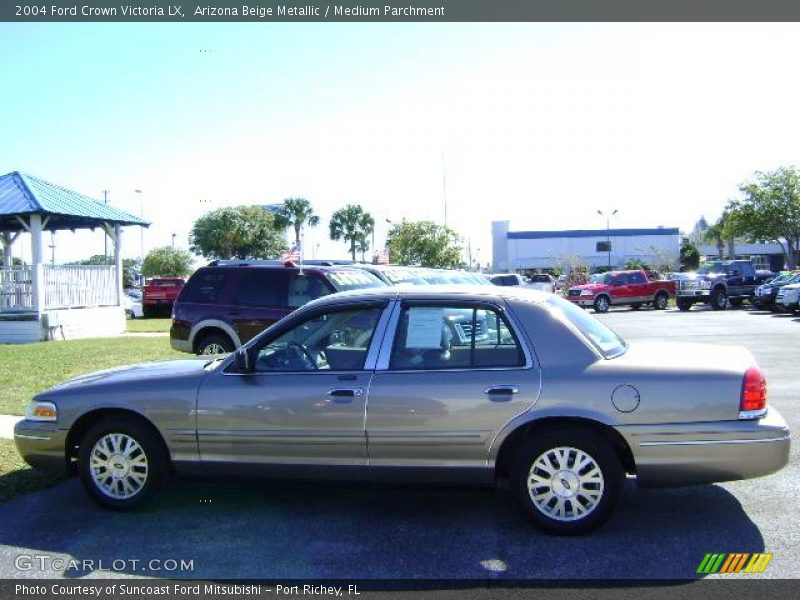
x=753, y=401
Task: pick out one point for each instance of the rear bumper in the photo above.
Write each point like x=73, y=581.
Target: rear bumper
x=41, y=445
x=708, y=452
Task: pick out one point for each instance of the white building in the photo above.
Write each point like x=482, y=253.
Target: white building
x=515, y=251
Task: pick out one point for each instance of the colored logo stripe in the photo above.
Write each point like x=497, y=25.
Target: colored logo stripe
x=733, y=563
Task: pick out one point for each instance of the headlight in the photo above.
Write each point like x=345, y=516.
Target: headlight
x=586, y=293
x=41, y=411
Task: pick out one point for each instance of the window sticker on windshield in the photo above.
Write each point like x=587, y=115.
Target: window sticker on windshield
x=425, y=328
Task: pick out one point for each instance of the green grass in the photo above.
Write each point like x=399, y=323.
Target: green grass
x=16, y=477
x=31, y=368
x=149, y=325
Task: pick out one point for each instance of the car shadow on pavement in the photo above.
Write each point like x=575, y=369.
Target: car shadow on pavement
x=270, y=529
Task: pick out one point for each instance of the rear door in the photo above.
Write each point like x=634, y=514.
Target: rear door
x=438, y=401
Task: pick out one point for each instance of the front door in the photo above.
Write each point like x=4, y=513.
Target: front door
x=305, y=401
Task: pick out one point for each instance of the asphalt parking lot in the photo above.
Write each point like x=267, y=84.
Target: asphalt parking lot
x=280, y=530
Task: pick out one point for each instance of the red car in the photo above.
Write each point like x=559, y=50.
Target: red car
x=159, y=295
x=632, y=288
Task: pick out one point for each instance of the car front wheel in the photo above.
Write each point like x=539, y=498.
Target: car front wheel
x=122, y=462
x=602, y=304
x=568, y=481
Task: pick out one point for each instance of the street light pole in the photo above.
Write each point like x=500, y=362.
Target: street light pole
x=141, y=228
x=608, y=232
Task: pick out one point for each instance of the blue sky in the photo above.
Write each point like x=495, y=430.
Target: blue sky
x=541, y=124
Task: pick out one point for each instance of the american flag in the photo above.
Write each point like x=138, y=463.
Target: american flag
x=292, y=255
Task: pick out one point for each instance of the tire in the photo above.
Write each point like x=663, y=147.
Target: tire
x=661, y=301
x=683, y=304
x=602, y=304
x=143, y=458
x=214, y=343
x=542, y=452
x=736, y=302
x=719, y=299
x=636, y=306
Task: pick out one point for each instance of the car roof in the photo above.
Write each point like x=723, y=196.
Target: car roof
x=433, y=292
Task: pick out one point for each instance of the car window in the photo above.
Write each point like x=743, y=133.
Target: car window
x=204, y=286
x=608, y=343
x=353, y=279
x=636, y=278
x=305, y=288
x=333, y=341
x=263, y=288
x=450, y=337
x=400, y=276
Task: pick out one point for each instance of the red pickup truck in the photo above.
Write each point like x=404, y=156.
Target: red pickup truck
x=633, y=288
x=159, y=295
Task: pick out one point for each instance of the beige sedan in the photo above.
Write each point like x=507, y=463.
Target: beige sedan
x=481, y=384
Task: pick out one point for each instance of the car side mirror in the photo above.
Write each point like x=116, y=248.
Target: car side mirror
x=242, y=360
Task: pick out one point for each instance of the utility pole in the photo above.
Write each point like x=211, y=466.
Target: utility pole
x=141, y=228
x=608, y=232
x=105, y=235
x=444, y=188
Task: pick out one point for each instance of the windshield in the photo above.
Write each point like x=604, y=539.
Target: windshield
x=714, y=267
x=608, y=343
x=353, y=280
x=398, y=276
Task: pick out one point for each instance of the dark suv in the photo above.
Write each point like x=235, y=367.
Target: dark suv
x=228, y=302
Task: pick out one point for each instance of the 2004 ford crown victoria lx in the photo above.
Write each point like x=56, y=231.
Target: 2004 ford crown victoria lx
x=479, y=384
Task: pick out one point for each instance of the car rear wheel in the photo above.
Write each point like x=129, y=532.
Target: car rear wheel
x=602, y=304
x=660, y=301
x=122, y=462
x=719, y=299
x=568, y=481
x=215, y=343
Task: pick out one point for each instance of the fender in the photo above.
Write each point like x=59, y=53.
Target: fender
x=219, y=325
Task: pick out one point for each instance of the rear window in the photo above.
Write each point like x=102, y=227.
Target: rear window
x=540, y=279
x=601, y=337
x=166, y=282
x=353, y=280
x=204, y=286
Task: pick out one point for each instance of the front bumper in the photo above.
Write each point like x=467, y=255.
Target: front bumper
x=693, y=293
x=694, y=453
x=41, y=445
x=582, y=301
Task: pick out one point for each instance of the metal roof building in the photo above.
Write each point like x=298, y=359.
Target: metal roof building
x=38, y=301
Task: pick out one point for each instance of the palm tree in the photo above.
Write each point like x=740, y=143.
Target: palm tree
x=352, y=224
x=295, y=213
x=720, y=233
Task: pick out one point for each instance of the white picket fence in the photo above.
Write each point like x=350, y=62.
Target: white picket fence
x=64, y=286
x=16, y=289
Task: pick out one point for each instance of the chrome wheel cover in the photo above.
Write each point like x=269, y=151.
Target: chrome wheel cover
x=603, y=304
x=565, y=484
x=213, y=348
x=118, y=466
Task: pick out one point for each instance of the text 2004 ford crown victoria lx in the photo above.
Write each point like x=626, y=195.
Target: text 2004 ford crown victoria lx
x=478, y=384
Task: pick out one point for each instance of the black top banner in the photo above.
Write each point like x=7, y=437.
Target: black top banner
x=259, y=11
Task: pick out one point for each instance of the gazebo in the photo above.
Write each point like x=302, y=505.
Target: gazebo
x=42, y=301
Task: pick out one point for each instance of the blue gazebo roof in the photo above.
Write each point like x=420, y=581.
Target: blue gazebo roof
x=22, y=194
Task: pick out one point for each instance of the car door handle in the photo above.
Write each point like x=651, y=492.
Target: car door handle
x=344, y=395
x=501, y=393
